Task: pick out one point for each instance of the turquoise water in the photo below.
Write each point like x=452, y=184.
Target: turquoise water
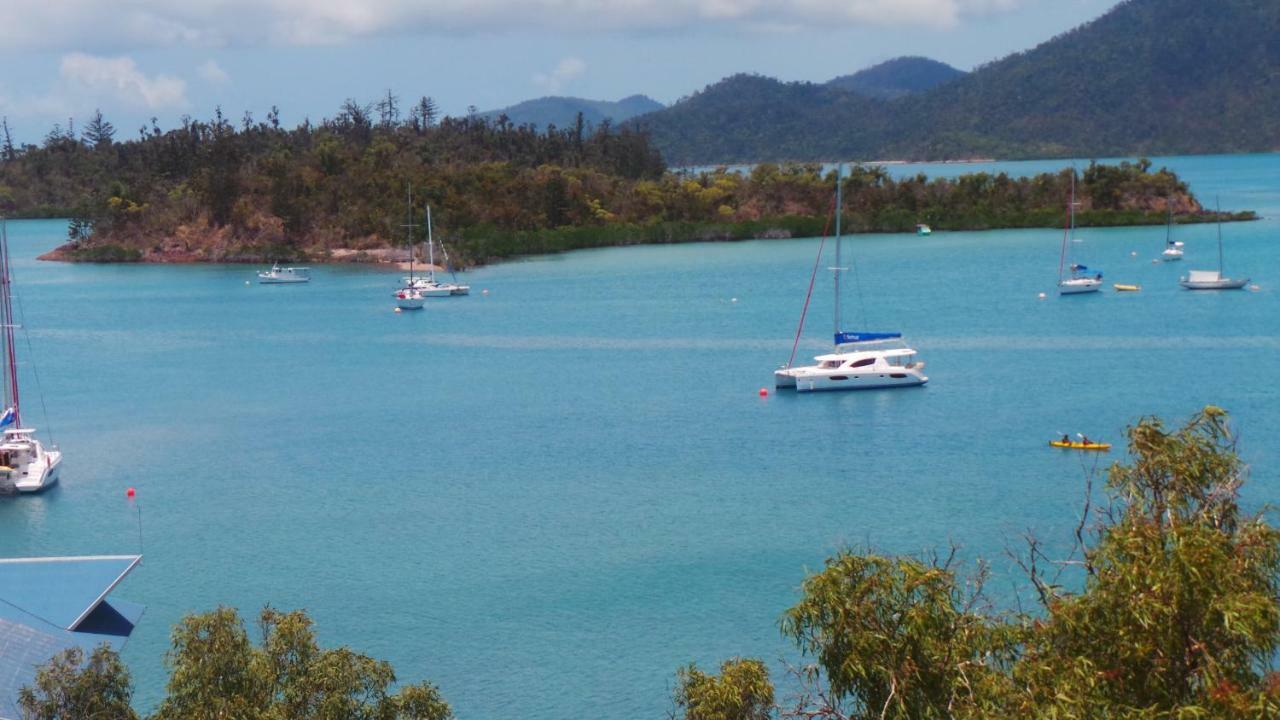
x=552, y=496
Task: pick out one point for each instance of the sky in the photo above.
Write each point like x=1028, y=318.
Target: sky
x=138, y=59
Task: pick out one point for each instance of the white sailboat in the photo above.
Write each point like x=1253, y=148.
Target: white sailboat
x=860, y=360
x=409, y=297
x=1212, y=279
x=1081, y=279
x=1172, y=248
x=428, y=285
x=25, y=464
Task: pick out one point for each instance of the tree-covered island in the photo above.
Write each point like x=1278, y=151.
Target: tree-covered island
x=252, y=191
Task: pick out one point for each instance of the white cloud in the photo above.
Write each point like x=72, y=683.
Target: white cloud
x=566, y=71
x=117, y=81
x=151, y=23
x=212, y=73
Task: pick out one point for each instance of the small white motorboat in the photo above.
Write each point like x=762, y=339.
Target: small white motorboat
x=923, y=229
x=284, y=275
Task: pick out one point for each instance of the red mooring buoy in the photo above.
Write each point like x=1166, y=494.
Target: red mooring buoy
x=130, y=492
x=764, y=392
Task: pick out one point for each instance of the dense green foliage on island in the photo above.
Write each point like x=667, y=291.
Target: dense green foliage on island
x=1176, y=614
x=212, y=191
x=216, y=671
x=1150, y=77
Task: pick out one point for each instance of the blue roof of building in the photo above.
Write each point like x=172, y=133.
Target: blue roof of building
x=48, y=605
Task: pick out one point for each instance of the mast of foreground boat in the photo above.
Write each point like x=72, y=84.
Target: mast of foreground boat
x=6, y=316
x=836, y=270
x=1168, y=225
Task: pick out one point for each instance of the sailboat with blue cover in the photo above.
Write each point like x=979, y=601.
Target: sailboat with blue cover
x=860, y=360
x=25, y=464
x=1075, y=279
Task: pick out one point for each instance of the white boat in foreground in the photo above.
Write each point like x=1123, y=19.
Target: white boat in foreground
x=1212, y=279
x=284, y=275
x=25, y=464
x=861, y=360
x=865, y=361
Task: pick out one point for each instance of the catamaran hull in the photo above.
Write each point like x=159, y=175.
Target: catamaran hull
x=820, y=382
x=47, y=477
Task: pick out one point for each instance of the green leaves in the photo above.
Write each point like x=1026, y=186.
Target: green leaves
x=1178, y=615
x=742, y=691
x=71, y=687
x=217, y=673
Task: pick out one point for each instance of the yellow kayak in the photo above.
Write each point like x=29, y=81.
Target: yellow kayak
x=1121, y=287
x=1080, y=445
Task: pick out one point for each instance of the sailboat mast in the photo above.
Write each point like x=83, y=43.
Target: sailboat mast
x=409, y=230
x=431, y=249
x=1066, y=231
x=1217, y=201
x=6, y=316
x=837, y=268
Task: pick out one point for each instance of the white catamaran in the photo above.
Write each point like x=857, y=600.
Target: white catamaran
x=25, y=464
x=860, y=360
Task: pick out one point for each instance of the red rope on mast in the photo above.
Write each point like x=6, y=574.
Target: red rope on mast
x=812, y=278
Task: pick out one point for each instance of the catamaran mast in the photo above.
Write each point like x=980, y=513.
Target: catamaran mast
x=838, y=268
x=6, y=316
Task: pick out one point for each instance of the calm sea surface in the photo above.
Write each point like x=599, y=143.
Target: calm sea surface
x=550, y=497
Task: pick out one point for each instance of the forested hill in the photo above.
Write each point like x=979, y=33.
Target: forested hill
x=563, y=112
x=898, y=77
x=1149, y=77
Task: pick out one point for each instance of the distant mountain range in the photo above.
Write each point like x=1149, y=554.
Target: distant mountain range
x=563, y=111
x=1148, y=77
x=897, y=77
